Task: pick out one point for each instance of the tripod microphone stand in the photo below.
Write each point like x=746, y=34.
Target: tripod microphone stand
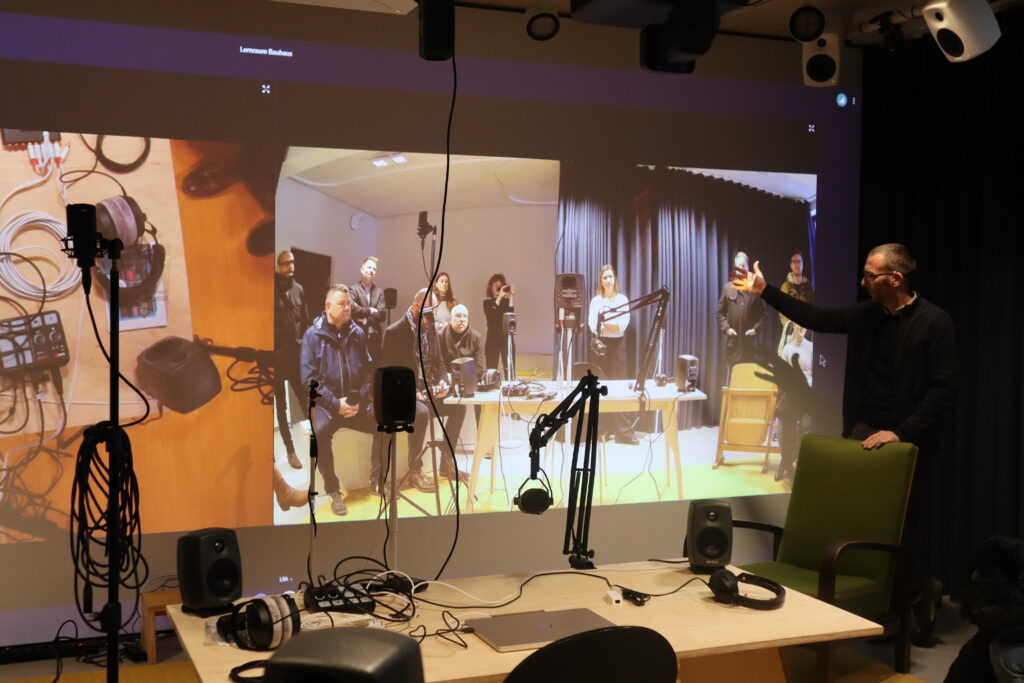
x=84, y=244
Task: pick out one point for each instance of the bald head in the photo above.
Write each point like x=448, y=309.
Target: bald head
x=459, y=319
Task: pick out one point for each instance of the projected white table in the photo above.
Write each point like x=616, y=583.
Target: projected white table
x=714, y=642
x=620, y=399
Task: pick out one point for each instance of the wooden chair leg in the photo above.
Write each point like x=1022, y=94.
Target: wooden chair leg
x=826, y=652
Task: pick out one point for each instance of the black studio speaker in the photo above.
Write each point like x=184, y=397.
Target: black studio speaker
x=179, y=373
x=356, y=654
x=709, y=535
x=687, y=371
x=437, y=29
x=209, y=569
x=394, y=396
x=464, y=376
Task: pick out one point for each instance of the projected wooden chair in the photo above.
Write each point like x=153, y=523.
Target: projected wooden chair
x=615, y=653
x=842, y=535
x=748, y=412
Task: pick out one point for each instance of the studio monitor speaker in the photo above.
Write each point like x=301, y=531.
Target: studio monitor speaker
x=687, y=371
x=962, y=28
x=464, y=377
x=209, y=569
x=437, y=29
x=709, y=535
x=394, y=396
x=820, y=37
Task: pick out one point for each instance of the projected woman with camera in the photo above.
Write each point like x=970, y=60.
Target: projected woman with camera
x=500, y=300
x=609, y=350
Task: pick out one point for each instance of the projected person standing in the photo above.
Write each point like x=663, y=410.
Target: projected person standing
x=290, y=320
x=368, y=305
x=798, y=286
x=612, y=335
x=900, y=377
x=334, y=355
x=739, y=316
x=500, y=300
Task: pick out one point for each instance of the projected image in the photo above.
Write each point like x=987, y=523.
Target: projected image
x=547, y=269
x=196, y=221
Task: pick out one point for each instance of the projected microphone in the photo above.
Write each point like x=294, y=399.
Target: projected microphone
x=390, y=297
x=81, y=240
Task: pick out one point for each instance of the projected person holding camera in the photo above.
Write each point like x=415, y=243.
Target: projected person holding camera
x=334, y=355
x=368, y=305
x=739, y=316
x=610, y=352
x=500, y=300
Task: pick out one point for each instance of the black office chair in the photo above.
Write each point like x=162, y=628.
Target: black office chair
x=604, y=655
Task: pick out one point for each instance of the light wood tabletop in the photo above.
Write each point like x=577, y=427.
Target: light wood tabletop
x=714, y=642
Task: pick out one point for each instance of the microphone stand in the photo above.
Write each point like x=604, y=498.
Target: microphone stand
x=581, y=477
x=85, y=244
x=314, y=456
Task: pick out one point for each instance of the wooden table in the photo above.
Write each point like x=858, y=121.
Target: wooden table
x=714, y=642
x=620, y=399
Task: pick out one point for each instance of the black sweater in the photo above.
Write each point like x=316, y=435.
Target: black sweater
x=924, y=385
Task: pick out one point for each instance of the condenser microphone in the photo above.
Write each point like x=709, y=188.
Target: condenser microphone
x=81, y=219
x=390, y=297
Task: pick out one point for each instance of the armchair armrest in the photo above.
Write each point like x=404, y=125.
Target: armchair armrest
x=775, y=531
x=830, y=563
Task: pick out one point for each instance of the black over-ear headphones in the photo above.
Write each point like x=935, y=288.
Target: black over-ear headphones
x=726, y=588
x=261, y=623
x=122, y=217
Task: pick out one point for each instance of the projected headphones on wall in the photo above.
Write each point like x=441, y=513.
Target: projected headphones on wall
x=121, y=217
x=725, y=586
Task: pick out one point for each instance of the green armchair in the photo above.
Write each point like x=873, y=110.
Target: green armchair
x=841, y=540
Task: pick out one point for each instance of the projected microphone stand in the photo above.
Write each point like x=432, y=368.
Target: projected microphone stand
x=581, y=476
x=84, y=244
x=660, y=298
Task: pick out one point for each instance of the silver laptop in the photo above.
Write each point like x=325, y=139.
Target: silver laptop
x=530, y=630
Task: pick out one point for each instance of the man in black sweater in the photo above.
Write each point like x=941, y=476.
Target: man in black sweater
x=900, y=374
x=458, y=340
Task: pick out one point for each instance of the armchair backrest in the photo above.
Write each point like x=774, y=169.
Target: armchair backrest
x=842, y=492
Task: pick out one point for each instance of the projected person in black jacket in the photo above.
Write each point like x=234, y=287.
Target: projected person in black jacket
x=500, y=300
x=900, y=369
x=368, y=305
x=458, y=340
x=739, y=317
x=334, y=355
x=291, y=317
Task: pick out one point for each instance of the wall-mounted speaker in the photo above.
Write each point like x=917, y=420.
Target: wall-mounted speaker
x=209, y=570
x=437, y=29
x=708, y=541
x=963, y=28
x=821, y=43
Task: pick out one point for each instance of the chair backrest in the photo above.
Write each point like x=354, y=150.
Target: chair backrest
x=743, y=376
x=615, y=653
x=843, y=492
x=748, y=407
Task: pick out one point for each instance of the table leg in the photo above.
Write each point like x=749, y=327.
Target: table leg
x=669, y=419
x=486, y=438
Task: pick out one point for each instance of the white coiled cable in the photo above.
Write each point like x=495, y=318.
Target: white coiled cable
x=67, y=280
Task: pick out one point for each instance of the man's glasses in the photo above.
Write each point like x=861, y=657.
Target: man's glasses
x=872, y=276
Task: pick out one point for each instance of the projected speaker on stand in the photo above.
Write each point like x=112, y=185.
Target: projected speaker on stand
x=569, y=306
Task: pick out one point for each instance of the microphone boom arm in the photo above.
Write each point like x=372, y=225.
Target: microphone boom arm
x=581, y=478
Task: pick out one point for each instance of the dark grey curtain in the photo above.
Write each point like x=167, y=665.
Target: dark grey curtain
x=678, y=229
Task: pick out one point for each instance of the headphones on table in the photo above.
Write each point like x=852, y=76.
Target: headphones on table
x=261, y=623
x=726, y=588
